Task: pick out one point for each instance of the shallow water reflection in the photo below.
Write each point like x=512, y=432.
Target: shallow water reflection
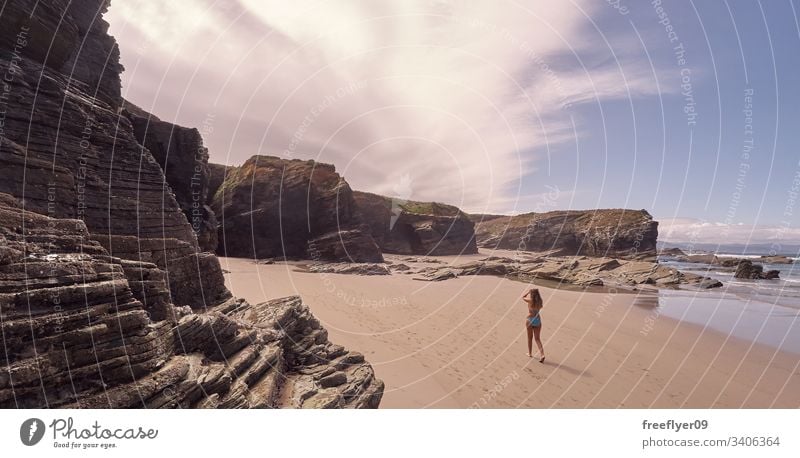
x=753, y=320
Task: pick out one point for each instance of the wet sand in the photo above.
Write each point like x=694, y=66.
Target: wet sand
x=461, y=343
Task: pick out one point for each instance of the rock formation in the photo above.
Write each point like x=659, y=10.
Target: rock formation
x=321, y=218
x=580, y=271
x=273, y=207
x=352, y=245
x=616, y=233
x=710, y=259
x=349, y=268
x=79, y=331
x=409, y=227
x=747, y=270
x=183, y=158
x=671, y=252
x=724, y=261
x=776, y=259
x=106, y=299
x=216, y=175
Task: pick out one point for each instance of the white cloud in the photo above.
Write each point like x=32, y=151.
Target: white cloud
x=691, y=230
x=459, y=96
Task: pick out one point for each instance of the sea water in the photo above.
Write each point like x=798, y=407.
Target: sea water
x=764, y=311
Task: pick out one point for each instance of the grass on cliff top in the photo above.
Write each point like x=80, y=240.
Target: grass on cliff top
x=411, y=206
x=596, y=218
x=430, y=208
x=260, y=169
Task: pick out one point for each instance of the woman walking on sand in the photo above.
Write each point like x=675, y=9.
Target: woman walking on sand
x=533, y=323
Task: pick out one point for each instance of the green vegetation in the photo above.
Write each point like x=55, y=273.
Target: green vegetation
x=430, y=208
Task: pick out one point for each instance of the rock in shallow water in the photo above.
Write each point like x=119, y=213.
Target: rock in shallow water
x=747, y=270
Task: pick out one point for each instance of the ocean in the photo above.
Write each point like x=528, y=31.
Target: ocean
x=764, y=311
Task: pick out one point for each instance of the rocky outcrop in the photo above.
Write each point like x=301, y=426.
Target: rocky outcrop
x=85, y=329
x=747, y=270
x=273, y=207
x=352, y=245
x=348, y=268
x=671, y=252
x=580, y=271
x=106, y=299
x=65, y=149
x=321, y=218
x=617, y=233
x=725, y=261
x=776, y=259
x=67, y=38
x=711, y=259
x=216, y=175
x=183, y=158
x=409, y=227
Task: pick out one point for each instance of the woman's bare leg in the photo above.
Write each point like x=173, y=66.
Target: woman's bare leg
x=529, y=328
x=537, y=332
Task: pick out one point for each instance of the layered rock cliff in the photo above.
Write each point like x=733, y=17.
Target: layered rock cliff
x=78, y=332
x=183, y=158
x=216, y=175
x=322, y=218
x=614, y=232
x=419, y=228
x=273, y=207
x=105, y=295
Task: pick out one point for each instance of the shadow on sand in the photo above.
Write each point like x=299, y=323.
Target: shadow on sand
x=558, y=367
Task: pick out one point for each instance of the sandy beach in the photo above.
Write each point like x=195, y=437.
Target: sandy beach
x=461, y=343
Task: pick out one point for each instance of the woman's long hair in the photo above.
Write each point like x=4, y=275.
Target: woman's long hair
x=537, y=298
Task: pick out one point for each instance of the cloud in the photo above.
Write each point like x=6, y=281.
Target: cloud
x=691, y=230
x=459, y=98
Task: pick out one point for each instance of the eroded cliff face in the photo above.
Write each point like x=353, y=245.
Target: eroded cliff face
x=419, y=228
x=180, y=153
x=613, y=232
x=78, y=331
x=106, y=297
x=67, y=152
x=272, y=207
x=68, y=37
x=216, y=175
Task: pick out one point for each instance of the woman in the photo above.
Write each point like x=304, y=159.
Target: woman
x=533, y=323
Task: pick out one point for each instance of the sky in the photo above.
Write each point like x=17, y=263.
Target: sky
x=688, y=109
